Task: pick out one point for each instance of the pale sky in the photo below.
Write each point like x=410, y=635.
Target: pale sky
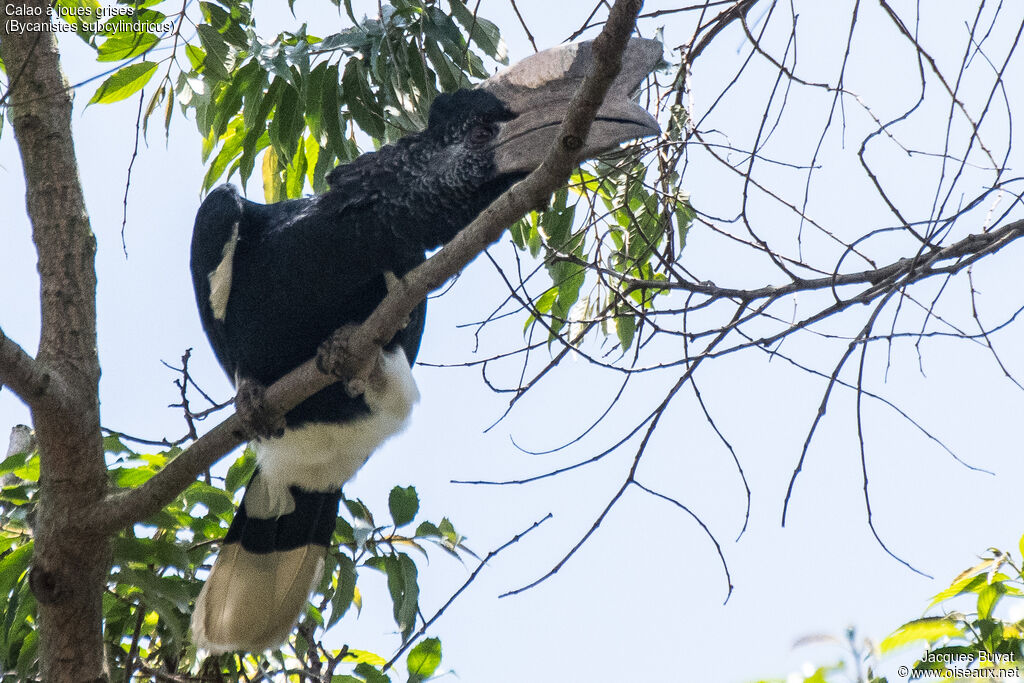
x=642, y=600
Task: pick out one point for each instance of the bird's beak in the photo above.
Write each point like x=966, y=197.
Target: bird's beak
x=539, y=89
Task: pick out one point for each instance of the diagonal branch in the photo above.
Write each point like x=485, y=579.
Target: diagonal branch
x=123, y=508
x=28, y=379
x=962, y=253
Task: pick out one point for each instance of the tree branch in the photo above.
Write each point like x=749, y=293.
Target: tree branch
x=905, y=270
x=28, y=379
x=465, y=584
x=68, y=570
x=123, y=508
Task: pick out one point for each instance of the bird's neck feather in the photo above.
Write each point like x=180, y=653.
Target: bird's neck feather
x=420, y=205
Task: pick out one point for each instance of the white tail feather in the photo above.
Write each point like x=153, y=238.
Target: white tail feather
x=252, y=601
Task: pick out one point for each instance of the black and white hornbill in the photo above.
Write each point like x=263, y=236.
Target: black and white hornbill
x=274, y=281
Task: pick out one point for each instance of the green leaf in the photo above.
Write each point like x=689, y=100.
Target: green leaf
x=345, y=591
x=968, y=584
x=448, y=530
x=14, y=462
x=521, y=230
x=556, y=222
x=424, y=659
x=370, y=674
x=929, y=629
x=684, y=219
x=625, y=329
x=273, y=187
x=13, y=566
x=125, y=46
x=217, y=52
x=229, y=100
x=330, y=112
x=348, y=10
x=450, y=76
x=360, y=99
x=405, y=592
x=27, y=654
x=288, y=123
x=403, y=504
x=295, y=174
x=148, y=551
x=256, y=138
x=132, y=477
x=225, y=24
x=195, y=55
x=169, y=588
x=343, y=532
x=365, y=657
x=359, y=510
x=427, y=529
x=988, y=598
x=240, y=471
x=313, y=88
x=218, y=501
x=484, y=33
x=124, y=83
x=312, y=149
x=233, y=140
x=316, y=615
x=79, y=21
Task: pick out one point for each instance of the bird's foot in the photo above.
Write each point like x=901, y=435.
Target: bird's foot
x=258, y=420
x=393, y=283
x=333, y=356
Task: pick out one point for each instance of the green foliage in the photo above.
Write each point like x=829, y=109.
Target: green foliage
x=298, y=99
x=157, y=573
x=640, y=235
x=403, y=504
x=295, y=105
x=424, y=659
x=971, y=637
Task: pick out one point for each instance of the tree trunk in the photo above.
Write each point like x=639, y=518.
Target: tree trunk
x=69, y=568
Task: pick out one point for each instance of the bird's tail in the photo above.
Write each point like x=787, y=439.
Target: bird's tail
x=265, y=571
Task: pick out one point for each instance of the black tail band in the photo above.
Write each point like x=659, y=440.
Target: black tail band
x=312, y=522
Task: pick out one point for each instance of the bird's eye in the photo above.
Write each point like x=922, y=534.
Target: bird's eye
x=481, y=134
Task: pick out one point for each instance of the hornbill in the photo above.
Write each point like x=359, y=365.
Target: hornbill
x=273, y=282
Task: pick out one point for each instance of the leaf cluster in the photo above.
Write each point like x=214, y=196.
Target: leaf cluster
x=297, y=99
x=973, y=636
x=158, y=569
x=627, y=229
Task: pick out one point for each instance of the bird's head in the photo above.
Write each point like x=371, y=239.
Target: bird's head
x=538, y=91
x=479, y=142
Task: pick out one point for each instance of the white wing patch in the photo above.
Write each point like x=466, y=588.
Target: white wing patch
x=220, y=278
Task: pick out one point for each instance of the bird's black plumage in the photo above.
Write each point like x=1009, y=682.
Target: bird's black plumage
x=303, y=268
x=273, y=282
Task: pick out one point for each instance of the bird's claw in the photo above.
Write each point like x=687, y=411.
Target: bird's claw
x=258, y=420
x=333, y=356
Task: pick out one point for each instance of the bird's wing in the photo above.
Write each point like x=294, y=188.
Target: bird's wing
x=219, y=224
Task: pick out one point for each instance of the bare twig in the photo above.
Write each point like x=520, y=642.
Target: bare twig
x=472, y=577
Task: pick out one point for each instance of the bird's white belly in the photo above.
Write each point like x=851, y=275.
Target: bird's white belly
x=322, y=456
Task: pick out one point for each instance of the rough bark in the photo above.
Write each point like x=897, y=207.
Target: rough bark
x=68, y=570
